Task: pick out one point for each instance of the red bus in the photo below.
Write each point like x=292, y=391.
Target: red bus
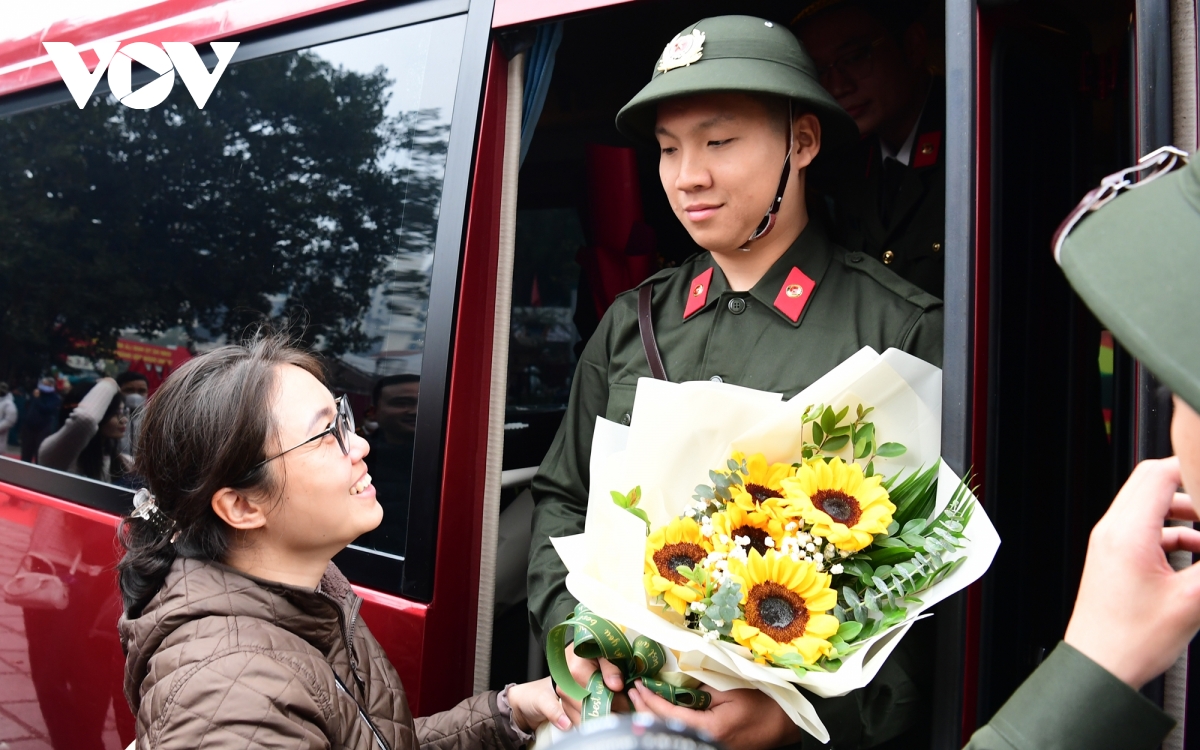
x=415, y=187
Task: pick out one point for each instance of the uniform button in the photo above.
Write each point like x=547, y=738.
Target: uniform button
x=855, y=258
x=737, y=305
x=716, y=379
x=937, y=247
x=625, y=419
x=888, y=257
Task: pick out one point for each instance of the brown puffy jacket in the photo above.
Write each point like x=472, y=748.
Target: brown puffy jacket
x=219, y=659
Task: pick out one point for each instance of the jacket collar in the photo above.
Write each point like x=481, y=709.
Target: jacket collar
x=784, y=288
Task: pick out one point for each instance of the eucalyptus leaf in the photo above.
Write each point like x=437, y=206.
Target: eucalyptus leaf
x=893, y=528
x=915, y=526
x=705, y=491
x=733, y=465
x=913, y=540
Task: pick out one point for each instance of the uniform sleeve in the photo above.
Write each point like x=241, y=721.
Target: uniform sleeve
x=240, y=701
x=560, y=489
x=924, y=339
x=478, y=723
x=61, y=449
x=1072, y=703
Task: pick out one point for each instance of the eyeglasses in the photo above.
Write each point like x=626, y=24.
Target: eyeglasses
x=342, y=428
x=857, y=64
x=1159, y=162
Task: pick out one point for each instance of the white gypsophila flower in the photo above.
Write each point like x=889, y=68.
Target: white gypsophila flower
x=723, y=538
x=738, y=553
x=711, y=635
x=792, y=526
x=701, y=606
x=803, y=538
x=810, y=547
x=719, y=623
x=742, y=541
x=769, y=542
x=829, y=550
x=837, y=569
x=689, y=512
x=843, y=553
x=820, y=564
x=817, y=540
x=721, y=565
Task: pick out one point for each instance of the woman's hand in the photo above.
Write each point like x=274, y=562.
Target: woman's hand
x=534, y=703
x=1134, y=614
x=742, y=719
x=582, y=670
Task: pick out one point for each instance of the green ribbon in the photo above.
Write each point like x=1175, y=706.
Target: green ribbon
x=597, y=638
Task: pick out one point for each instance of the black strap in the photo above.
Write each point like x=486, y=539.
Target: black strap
x=646, y=327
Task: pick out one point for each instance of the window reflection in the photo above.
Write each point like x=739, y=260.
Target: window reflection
x=306, y=194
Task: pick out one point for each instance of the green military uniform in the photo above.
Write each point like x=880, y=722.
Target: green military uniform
x=892, y=211
x=744, y=338
x=1133, y=260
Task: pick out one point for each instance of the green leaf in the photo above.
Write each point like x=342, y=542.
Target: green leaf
x=891, y=450
x=851, y=597
x=889, y=556
x=705, y=491
x=733, y=465
x=818, y=433
x=642, y=515
x=619, y=499
x=915, y=526
x=835, y=444
x=849, y=630
x=862, y=446
x=870, y=470
x=634, y=495
x=888, y=541
x=914, y=540
x=893, y=528
x=841, y=415
x=883, y=571
x=828, y=419
x=843, y=430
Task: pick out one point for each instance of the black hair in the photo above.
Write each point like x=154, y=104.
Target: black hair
x=129, y=376
x=385, y=381
x=91, y=458
x=207, y=427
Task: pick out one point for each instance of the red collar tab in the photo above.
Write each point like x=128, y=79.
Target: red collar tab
x=926, y=149
x=794, y=294
x=697, y=294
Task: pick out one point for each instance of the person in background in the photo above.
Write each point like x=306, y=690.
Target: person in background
x=8, y=413
x=239, y=630
x=135, y=389
x=887, y=195
x=394, y=408
x=41, y=418
x=88, y=443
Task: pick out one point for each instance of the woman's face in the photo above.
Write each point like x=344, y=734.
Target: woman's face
x=114, y=427
x=328, y=500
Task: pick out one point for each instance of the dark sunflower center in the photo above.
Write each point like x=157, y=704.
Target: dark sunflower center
x=760, y=493
x=838, y=505
x=777, y=611
x=758, y=538
x=670, y=557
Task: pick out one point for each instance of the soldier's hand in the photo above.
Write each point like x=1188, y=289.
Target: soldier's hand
x=739, y=719
x=1134, y=614
x=582, y=670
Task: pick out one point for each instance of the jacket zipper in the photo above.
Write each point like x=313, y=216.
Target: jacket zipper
x=379, y=740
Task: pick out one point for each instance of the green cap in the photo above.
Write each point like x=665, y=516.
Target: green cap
x=736, y=54
x=1134, y=260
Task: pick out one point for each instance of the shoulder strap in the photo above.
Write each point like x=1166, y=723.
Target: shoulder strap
x=646, y=327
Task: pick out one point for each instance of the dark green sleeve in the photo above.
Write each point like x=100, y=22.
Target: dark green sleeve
x=560, y=489
x=1072, y=702
x=924, y=339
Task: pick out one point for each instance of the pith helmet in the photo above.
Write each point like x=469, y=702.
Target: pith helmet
x=736, y=54
x=1133, y=259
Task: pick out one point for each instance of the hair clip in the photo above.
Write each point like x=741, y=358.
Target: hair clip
x=145, y=507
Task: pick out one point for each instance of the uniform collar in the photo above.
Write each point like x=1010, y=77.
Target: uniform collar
x=785, y=288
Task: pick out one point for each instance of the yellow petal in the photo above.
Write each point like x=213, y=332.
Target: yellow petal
x=822, y=626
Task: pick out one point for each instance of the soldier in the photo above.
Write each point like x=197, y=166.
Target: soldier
x=1134, y=263
x=887, y=196
x=770, y=303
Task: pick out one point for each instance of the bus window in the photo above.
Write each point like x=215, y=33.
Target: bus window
x=305, y=195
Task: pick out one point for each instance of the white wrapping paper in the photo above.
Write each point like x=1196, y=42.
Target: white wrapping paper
x=678, y=432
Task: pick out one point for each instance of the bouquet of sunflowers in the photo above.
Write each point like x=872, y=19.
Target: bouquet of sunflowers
x=770, y=544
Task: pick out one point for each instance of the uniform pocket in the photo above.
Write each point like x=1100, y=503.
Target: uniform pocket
x=620, y=402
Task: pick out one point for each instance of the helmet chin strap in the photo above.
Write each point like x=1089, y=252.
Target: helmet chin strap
x=768, y=220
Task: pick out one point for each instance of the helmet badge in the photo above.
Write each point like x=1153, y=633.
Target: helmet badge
x=683, y=50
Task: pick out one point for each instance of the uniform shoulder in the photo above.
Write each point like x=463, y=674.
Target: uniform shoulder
x=681, y=274
x=871, y=270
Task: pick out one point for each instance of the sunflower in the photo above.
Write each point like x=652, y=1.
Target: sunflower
x=757, y=525
x=842, y=505
x=762, y=488
x=678, y=543
x=784, y=605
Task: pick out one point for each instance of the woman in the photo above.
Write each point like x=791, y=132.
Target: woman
x=238, y=630
x=88, y=443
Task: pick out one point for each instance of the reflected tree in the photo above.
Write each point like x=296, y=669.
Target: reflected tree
x=291, y=191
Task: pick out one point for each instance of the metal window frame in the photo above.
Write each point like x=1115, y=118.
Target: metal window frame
x=411, y=574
